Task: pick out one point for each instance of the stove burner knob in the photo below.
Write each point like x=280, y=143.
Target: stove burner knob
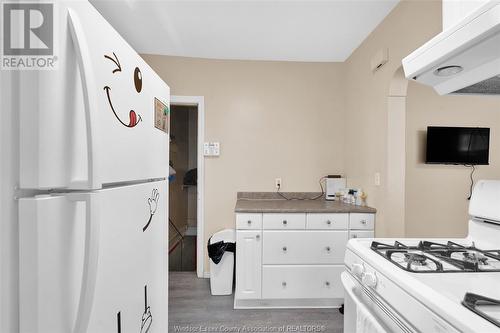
x=370, y=279
x=358, y=269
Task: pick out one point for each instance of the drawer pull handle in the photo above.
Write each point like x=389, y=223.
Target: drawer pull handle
x=257, y=236
x=328, y=222
x=283, y=284
x=328, y=249
x=327, y=283
x=249, y=222
x=364, y=222
x=284, y=248
x=354, y=236
x=285, y=222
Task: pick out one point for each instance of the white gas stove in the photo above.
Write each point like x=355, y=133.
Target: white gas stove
x=432, y=285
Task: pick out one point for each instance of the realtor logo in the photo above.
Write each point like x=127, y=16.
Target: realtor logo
x=28, y=35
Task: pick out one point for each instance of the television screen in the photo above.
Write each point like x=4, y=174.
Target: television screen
x=458, y=145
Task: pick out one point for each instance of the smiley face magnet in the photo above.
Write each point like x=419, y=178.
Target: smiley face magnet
x=133, y=117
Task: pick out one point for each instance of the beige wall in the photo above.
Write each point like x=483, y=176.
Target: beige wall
x=436, y=195
x=299, y=121
x=409, y=25
x=273, y=119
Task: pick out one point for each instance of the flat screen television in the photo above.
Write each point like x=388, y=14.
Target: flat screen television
x=458, y=145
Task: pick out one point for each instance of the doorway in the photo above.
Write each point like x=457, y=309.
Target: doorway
x=186, y=185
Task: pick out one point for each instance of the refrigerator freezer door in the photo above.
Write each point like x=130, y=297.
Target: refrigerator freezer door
x=96, y=261
x=100, y=116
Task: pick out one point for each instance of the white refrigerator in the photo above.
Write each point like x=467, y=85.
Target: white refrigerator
x=92, y=204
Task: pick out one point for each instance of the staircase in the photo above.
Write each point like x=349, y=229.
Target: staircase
x=174, y=236
x=181, y=250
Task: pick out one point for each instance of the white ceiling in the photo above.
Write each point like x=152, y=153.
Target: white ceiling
x=248, y=30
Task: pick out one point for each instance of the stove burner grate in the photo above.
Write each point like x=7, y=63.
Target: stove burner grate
x=472, y=301
x=428, y=257
x=416, y=258
x=413, y=261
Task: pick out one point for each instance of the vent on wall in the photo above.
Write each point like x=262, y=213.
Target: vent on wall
x=379, y=59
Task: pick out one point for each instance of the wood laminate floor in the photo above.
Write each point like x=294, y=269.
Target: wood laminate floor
x=193, y=309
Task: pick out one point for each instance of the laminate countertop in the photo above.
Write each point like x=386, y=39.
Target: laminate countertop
x=262, y=204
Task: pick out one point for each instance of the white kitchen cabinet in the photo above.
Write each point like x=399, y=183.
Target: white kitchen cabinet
x=361, y=234
x=301, y=281
x=327, y=221
x=304, y=247
x=294, y=260
x=284, y=221
x=249, y=267
x=359, y=221
x=249, y=221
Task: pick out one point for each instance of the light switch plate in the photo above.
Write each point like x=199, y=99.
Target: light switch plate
x=211, y=148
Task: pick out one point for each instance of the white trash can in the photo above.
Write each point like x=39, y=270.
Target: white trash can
x=221, y=274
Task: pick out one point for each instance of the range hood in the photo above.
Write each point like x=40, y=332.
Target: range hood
x=464, y=59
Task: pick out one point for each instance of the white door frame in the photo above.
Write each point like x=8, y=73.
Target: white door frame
x=199, y=102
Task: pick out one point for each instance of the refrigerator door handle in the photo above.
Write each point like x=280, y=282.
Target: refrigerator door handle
x=90, y=101
x=90, y=260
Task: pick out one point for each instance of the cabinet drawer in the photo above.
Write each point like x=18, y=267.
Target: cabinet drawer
x=361, y=234
x=361, y=221
x=248, y=221
x=304, y=247
x=327, y=221
x=284, y=221
x=301, y=282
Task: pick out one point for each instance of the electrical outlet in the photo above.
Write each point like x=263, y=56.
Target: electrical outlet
x=377, y=179
x=277, y=183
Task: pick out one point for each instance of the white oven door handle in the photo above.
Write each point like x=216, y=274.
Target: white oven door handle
x=350, y=285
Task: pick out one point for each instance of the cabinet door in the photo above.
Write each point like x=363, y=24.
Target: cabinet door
x=248, y=264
